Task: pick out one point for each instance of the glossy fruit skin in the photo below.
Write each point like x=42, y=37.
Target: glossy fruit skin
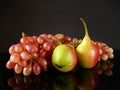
x=88, y=55
x=87, y=51
x=64, y=58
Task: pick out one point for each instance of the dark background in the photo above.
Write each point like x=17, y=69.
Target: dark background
x=35, y=17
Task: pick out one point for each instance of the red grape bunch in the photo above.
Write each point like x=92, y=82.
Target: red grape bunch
x=105, y=51
x=32, y=53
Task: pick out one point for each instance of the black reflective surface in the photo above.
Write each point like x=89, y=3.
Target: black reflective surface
x=105, y=76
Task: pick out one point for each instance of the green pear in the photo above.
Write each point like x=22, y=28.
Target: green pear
x=87, y=51
x=64, y=58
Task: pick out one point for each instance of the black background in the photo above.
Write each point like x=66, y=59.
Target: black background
x=35, y=17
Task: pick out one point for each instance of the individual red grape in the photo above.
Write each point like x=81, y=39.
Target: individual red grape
x=44, y=35
x=49, y=40
x=19, y=48
x=22, y=63
x=24, y=40
x=32, y=39
x=40, y=40
x=42, y=61
x=42, y=53
x=104, y=57
x=31, y=48
x=50, y=36
x=35, y=55
x=10, y=64
x=47, y=46
x=12, y=49
x=44, y=68
x=15, y=58
x=59, y=37
x=35, y=38
x=25, y=55
x=66, y=40
x=18, y=69
x=36, y=69
x=27, y=70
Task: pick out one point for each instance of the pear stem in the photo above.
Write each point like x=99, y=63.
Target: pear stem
x=85, y=26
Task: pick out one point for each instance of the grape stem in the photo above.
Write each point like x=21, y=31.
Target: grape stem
x=24, y=34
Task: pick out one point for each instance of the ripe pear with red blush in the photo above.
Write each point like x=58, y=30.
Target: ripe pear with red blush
x=87, y=51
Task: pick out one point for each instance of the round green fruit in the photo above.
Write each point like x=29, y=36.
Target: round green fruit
x=64, y=58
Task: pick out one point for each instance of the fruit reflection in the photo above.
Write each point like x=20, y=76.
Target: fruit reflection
x=87, y=80
x=104, y=67
x=65, y=82
x=21, y=82
x=81, y=79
